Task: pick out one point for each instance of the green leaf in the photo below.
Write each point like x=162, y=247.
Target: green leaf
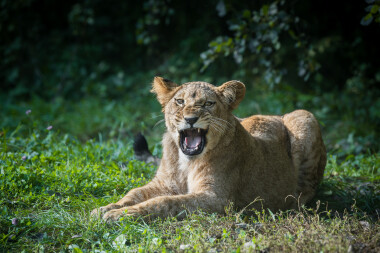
x=292, y=34
x=374, y=9
x=265, y=9
x=272, y=215
x=246, y=14
x=367, y=19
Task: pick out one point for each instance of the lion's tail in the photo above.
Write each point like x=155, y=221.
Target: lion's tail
x=142, y=153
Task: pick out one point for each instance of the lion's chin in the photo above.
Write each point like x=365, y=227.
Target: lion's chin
x=192, y=141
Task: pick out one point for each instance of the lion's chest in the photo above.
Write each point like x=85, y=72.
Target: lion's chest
x=188, y=174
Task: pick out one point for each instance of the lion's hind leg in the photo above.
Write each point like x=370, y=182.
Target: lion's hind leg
x=308, y=152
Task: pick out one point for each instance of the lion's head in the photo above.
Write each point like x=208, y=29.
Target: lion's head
x=198, y=114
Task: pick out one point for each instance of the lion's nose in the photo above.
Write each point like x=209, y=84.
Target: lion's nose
x=191, y=121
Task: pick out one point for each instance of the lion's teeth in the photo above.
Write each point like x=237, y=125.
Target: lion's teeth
x=199, y=130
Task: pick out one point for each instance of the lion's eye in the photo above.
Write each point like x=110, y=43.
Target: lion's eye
x=180, y=101
x=209, y=103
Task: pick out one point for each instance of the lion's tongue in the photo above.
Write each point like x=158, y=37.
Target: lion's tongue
x=192, y=141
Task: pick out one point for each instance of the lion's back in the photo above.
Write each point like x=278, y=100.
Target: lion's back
x=266, y=127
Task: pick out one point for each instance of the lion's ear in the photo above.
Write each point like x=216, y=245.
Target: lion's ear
x=164, y=89
x=232, y=93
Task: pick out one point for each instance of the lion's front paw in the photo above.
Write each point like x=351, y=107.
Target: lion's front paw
x=96, y=212
x=101, y=210
x=114, y=215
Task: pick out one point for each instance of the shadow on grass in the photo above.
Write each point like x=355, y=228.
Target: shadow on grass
x=349, y=194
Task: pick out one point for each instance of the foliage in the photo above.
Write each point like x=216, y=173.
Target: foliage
x=63, y=54
x=91, y=47
x=373, y=10
x=257, y=35
x=156, y=12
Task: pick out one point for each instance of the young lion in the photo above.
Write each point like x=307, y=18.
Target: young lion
x=211, y=158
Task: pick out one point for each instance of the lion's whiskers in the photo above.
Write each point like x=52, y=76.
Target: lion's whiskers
x=156, y=116
x=159, y=122
x=217, y=130
x=222, y=121
x=217, y=126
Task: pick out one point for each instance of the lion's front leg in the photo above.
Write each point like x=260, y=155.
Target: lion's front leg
x=164, y=206
x=153, y=189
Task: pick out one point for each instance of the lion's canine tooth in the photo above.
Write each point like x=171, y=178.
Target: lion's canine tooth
x=199, y=130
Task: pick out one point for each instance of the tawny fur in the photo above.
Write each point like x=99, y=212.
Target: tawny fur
x=258, y=162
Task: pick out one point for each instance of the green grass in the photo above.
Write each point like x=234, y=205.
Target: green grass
x=50, y=180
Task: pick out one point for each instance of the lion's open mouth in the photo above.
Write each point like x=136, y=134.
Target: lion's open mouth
x=192, y=141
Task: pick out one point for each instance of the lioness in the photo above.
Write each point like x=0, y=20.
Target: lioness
x=211, y=158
